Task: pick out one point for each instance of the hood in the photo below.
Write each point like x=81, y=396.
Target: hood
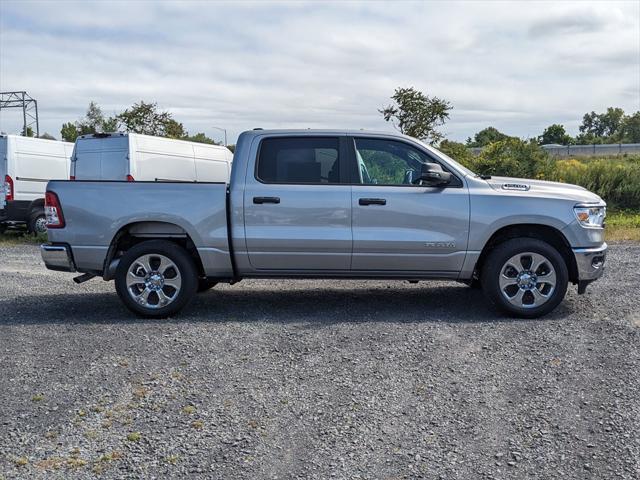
x=543, y=188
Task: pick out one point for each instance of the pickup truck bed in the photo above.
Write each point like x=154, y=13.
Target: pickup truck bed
x=179, y=210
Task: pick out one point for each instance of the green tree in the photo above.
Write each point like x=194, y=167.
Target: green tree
x=589, y=139
x=69, y=132
x=601, y=127
x=486, y=136
x=173, y=129
x=232, y=147
x=415, y=114
x=93, y=121
x=458, y=151
x=201, y=138
x=512, y=157
x=28, y=133
x=555, y=134
x=147, y=119
x=630, y=128
x=47, y=136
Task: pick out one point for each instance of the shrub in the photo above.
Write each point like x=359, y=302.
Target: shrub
x=616, y=181
x=458, y=151
x=513, y=158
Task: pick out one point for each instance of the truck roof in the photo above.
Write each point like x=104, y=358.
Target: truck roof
x=320, y=131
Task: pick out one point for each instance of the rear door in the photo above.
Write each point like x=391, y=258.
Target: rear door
x=101, y=158
x=37, y=161
x=297, y=205
x=399, y=226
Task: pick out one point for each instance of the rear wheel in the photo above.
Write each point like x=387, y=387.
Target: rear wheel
x=37, y=222
x=156, y=278
x=525, y=277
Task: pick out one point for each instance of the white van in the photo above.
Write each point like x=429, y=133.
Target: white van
x=135, y=157
x=26, y=165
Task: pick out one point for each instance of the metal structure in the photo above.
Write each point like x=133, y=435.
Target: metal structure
x=225, y=134
x=29, y=108
x=597, y=150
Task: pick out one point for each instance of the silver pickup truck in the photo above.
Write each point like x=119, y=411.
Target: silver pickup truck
x=329, y=204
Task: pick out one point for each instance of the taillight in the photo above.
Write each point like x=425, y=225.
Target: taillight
x=72, y=177
x=8, y=188
x=130, y=178
x=53, y=211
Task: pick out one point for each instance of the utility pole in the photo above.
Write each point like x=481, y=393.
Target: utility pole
x=225, y=134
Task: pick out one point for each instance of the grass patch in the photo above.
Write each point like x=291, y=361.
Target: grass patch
x=197, y=424
x=74, y=463
x=16, y=237
x=134, y=437
x=623, y=226
x=51, y=463
x=37, y=397
x=189, y=409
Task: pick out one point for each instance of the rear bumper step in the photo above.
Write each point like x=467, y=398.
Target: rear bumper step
x=57, y=257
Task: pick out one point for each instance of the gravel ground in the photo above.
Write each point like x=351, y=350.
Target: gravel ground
x=317, y=379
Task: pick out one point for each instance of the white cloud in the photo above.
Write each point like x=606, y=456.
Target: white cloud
x=518, y=66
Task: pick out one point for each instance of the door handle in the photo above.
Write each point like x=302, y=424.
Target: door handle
x=261, y=200
x=372, y=201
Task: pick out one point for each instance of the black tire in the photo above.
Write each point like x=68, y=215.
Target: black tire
x=37, y=219
x=205, y=284
x=3, y=228
x=184, y=265
x=497, y=260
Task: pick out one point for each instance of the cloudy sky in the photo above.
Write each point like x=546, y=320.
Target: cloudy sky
x=518, y=66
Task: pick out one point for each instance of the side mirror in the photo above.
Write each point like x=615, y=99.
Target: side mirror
x=432, y=175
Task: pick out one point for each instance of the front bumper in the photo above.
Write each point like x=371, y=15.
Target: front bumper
x=590, y=263
x=57, y=257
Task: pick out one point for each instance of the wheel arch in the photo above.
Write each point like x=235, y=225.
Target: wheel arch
x=137, y=232
x=37, y=204
x=546, y=233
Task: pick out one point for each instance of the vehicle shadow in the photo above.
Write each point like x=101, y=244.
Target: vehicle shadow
x=451, y=303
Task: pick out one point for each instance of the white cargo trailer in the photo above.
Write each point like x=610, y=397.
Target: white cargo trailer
x=26, y=165
x=135, y=157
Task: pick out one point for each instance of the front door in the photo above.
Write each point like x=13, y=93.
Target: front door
x=398, y=224
x=297, y=205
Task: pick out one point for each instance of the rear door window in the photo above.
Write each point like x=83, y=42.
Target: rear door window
x=308, y=160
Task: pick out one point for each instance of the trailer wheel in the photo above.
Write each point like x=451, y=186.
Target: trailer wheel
x=156, y=278
x=525, y=277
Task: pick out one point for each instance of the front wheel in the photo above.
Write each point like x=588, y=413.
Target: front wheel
x=156, y=278
x=525, y=277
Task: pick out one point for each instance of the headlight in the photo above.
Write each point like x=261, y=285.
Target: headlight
x=590, y=217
